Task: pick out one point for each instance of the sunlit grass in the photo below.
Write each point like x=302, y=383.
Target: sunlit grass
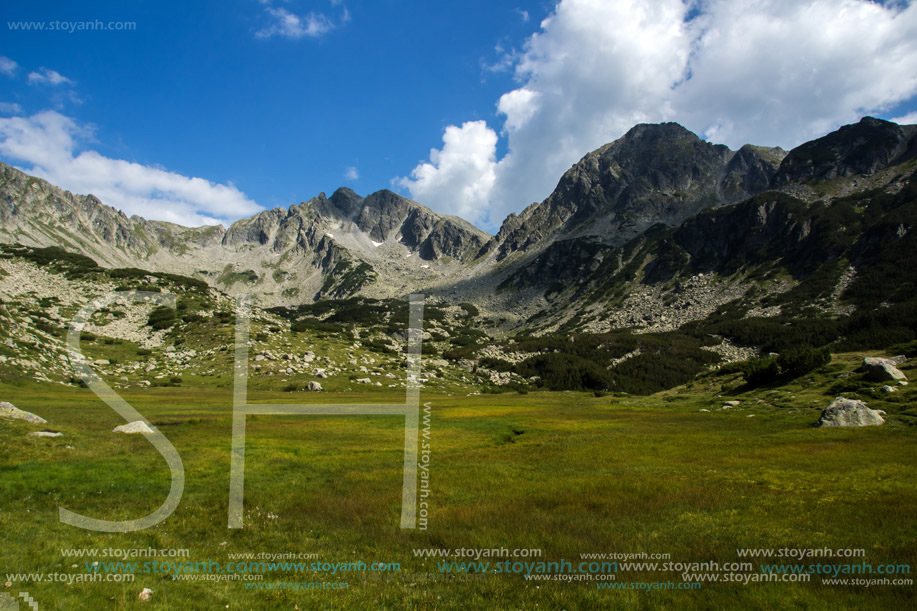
x=564, y=472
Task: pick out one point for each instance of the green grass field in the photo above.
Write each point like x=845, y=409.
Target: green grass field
x=565, y=473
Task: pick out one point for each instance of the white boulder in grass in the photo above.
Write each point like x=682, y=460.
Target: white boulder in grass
x=8, y=410
x=882, y=370
x=145, y=594
x=849, y=412
x=136, y=427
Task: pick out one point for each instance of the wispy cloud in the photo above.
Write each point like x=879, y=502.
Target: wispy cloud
x=506, y=60
x=352, y=173
x=48, y=142
x=8, y=66
x=288, y=25
x=284, y=23
x=46, y=76
x=10, y=108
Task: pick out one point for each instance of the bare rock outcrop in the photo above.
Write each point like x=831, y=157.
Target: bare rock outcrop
x=849, y=412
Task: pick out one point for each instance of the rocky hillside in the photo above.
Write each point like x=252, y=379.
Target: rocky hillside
x=652, y=231
x=863, y=148
x=653, y=174
x=830, y=245
x=332, y=345
x=660, y=261
x=383, y=244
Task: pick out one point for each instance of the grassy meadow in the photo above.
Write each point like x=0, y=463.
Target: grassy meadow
x=567, y=473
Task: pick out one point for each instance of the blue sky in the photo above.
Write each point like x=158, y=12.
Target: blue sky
x=209, y=111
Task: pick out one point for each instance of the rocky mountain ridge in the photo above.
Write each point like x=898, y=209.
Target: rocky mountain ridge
x=325, y=247
x=653, y=174
x=652, y=213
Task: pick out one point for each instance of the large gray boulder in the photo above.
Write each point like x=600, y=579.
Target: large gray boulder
x=8, y=410
x=315, y=386
x=881, y=370
x=849, y=412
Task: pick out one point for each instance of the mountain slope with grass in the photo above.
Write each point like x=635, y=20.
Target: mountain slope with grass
x=735, y=255
x=818, y=249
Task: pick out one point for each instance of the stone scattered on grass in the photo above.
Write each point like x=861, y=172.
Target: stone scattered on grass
x=849, y=412
x=145, y=594
x=881, y=370
x=8, y=410
x=46, y=434
x=136, y=427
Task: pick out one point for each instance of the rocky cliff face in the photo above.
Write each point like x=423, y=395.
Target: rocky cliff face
x=862, y=148
x=653, y=174
x=386, y=215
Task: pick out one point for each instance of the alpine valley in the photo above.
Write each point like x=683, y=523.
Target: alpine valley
x=658, y=252
x=685, y=352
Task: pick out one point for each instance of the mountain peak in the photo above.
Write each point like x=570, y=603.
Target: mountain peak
x=664, y=129
x=864, y=147
x=656, y=172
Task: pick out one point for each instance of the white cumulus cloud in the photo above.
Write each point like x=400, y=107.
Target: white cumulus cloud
x=770, y=72
x=47, y=143
x=519, y=106
x=783, y=72
x=352, y=173
x=460, y=175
